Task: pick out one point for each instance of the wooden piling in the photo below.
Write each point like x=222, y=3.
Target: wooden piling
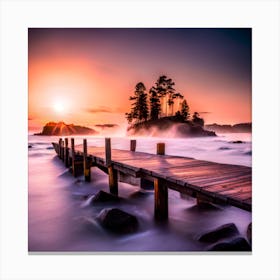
x=113, y=180
x=132, y=145
x=161, y=199
x=59, y=147
x=113, y=174
x=160, y=148
x=62, y=150
x=73, y=156
x=86, y=162
x=66, y=153
x=108, y=159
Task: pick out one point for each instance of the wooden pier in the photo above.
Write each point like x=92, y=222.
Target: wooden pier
x=204, y=180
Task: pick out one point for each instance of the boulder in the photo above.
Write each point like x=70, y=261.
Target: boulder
x=29, y=146
x=237, y=142
x=237, y=244
x=117, y=220
x=249, y=233
x=220, y=232
x=102, y=196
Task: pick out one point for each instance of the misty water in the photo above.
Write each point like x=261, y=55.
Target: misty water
x=60, y=219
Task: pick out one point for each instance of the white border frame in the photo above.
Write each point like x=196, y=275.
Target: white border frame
x=17, y=16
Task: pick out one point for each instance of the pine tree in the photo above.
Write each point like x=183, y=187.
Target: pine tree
x=166, y=92
x=154, y=104
x=139, y=108
x=143, y=110
x=197, y=120
x=185, y=110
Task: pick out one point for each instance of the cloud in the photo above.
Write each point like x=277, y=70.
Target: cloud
x=205, y=112
x=106, y=125
x=100, y=109
x=104, y=109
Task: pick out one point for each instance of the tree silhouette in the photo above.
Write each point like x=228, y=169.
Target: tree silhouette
x=154, y=104
x=197, y=120
x=175, y=96
x=139, y=107
x=143, y=111
x=165, y=91
x=185, y=110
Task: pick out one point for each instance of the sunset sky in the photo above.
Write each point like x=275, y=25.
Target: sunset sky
x=85, y=76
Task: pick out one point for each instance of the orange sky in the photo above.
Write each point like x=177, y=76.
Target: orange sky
x=86, y=76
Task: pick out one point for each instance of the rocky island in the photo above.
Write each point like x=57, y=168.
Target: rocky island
x=227, y=128
x=163, y=112
x=60, y=128
x=168, y=127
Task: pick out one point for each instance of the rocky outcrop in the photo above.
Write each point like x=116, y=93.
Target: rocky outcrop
x=249, y=233
x=227, y=128
x=117, y=220
x=168, y=127
x=102, y=196
x=237, y=244
x=220, y=232
x=62, y=129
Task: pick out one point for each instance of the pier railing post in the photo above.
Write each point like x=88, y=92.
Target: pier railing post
x=73, y=156
x=62, y=150
x=161, y=199
x=132, y=145
x=113, y=174
x=160, y=148
x=66, y=153
x=59, y=147
x=86, y=162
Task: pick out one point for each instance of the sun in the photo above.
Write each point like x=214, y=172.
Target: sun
x=58, y=107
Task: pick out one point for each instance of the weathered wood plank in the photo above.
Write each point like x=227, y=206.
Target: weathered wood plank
x=219, y=182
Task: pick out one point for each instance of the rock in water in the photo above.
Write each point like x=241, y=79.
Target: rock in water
x=237, y=142
x=249, y=233
x=102, y=196
x=237, y=244
x=117, y=220
x=223, y=231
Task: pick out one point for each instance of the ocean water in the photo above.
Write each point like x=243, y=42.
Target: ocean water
x=60, y=219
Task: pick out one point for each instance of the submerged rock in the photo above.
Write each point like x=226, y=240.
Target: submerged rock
x=249, y=233
x=102, y=196
x=237, y=142
x=237, y=244
x=223, y=231
x=117, y=220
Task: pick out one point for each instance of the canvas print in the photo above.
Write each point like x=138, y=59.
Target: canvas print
x=139, y=140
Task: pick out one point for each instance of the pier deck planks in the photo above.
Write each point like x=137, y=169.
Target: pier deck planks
x=228, y=183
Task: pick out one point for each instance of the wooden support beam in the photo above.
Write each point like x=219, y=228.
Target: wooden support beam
x=86, y=162
x=108, y=159
x=202, y=199
x=113, y=180
x=132, y=145
x=160, y=148
x=66, y=153
x=59, y=147
x=161, y=199
x=62, y=150
x=73, y=157
x=113, y=174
